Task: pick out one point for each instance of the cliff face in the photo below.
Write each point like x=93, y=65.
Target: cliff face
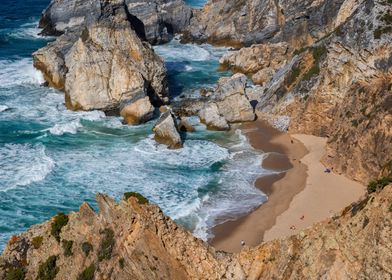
x=154, y=20
x=135, y=240
x=337, y=86
x=242, y=23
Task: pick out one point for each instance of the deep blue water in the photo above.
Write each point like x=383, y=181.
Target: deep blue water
x=52, y=159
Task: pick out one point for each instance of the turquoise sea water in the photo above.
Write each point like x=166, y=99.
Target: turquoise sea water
x=52, y=159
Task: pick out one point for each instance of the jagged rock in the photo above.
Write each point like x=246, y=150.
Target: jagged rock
x=105, y=65
x=185, y=125
x=232, y=102
x=325, y=90
x=138, y=241
x=259, y=61
x=211, y=117
x=166, y=131
x=137, y=112
x=245, y=22
x=154, y=20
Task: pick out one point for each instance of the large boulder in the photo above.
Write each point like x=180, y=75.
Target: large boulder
x=154, y=20
x=137, y=112
x=105, y=66
x=166, y=131
x=232, y=102
x=211, y=117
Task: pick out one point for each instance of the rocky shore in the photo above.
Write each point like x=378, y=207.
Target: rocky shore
x=321, y=68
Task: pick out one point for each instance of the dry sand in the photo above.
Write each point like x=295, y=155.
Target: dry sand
x=303, y=195
x=324, y=193
x=284, y=153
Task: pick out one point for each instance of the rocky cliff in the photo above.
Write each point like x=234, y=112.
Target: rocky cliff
x=154, y=20
x=336, y=84
x=133, y=239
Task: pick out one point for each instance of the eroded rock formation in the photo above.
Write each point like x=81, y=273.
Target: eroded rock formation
x=338, y=86
x=104, y=65
x=135, y=240
x=166, y=131
x=154, y=20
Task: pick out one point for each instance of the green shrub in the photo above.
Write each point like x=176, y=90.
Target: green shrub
x=381, y=30
x=121, y=263
x=60, y=220
x=295, y=72
x=355, y=123
x=107, y=245
x=387, y=18
x=48, y=270
x=318, y=52
x=141, y=199
x=313, y=71
x=16, y=273
x=390, y=208
x=87, y=248
x=378, y=184
x=37, y=242
x=88, y=273
x=67, y=247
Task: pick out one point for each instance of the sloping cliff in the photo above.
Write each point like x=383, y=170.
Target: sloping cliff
x=337, y=86
x=135, y=240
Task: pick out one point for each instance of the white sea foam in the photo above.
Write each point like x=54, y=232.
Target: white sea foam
x=22, y=165
x=3, y=108
x=69, y=127
x=19, y=72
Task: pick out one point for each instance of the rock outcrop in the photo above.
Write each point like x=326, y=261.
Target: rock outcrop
x=133, y=239
x=154, y=20
x=335, y=84
x=166, y=131
x=243, y=23
x=105, y=66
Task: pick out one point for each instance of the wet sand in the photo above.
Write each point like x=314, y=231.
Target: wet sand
x=284, y=153
x=303, y=195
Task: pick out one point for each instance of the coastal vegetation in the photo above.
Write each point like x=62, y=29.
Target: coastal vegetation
x=60, y=220
x=140, y=198
x=107, y=245
x=48, y=270
x=87, y=273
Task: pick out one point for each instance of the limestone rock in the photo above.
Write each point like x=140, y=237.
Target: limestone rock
x=133, y=239
x=185, y=125
x=166, y=131
x=245, y=22
x=137, y=112
x=211, y=117
x=259, y=61
x=154, y=20
x=232, y=102
x=105, y=65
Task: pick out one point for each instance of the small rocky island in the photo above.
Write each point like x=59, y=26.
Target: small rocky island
x=322, y=68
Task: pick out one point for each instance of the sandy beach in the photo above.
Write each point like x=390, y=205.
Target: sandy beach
x=297, y=198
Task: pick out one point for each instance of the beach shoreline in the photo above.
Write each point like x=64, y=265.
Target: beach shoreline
x=299, y=192
x=283, y=154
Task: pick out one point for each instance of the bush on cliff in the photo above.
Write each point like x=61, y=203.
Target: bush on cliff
x=141, y=199
x=48, y=270
x=67, y=247
x=60, y=220
x=88, y=273
x=378, y=184
x=107, y=245
x=16, y=273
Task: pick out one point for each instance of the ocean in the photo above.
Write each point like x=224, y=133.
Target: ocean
x=52, y=159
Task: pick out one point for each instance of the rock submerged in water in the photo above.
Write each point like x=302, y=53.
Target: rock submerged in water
x=166, y=131
x=105, y=66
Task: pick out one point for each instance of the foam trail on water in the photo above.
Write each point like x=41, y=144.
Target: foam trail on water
x=3, y=108
x=19, y=72
x=22, y=165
